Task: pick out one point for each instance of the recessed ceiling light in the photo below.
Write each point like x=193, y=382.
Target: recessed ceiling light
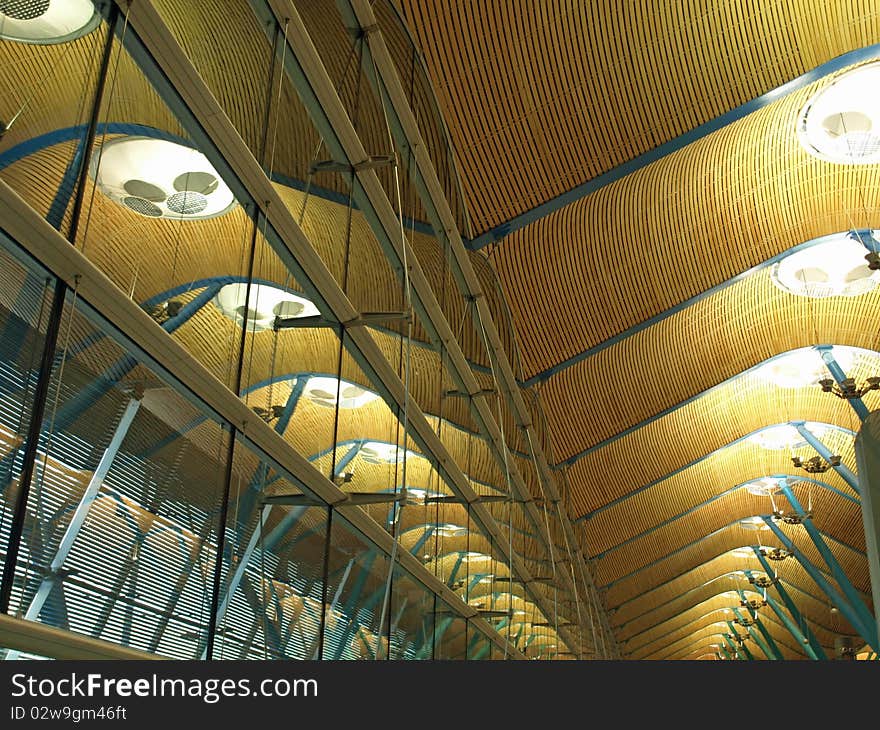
x=803, y=367
x=834, y=268
x=842, y=122
x=260, y=308
x=156, y=178
x=322, y=391
x=47, y=21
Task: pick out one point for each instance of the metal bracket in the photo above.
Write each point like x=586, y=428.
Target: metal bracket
x=371, y=163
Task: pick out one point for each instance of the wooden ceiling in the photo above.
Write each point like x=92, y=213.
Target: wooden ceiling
x=642, y=379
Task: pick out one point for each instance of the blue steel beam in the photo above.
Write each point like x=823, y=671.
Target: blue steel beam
x=812, y=639
x=857, y=404
x=678, y=647
x=868, y=633
x=837, y=572
x=683, y=140
x=742, y=645
x=795, y=630
x=760, y=635
x=826, y=454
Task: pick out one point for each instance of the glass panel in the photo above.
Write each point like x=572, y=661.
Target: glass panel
x=270, y=597
x=123, y=503
x=357, y=578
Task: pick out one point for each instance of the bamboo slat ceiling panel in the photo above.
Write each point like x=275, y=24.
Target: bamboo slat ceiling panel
x=540, y=97
x=673, y=229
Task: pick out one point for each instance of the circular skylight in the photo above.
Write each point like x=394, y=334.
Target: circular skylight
x=47, y=21
x=743, y=552
x=763, y=487
x=156, y=178
x=805, y=366
x=842, y=122
x=783, y=436
x=377, y=452
x=322, y=391
x=754, y=523
x=834, y=268
x=260, y=308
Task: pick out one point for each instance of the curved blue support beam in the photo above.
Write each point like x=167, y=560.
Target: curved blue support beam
x=701, y=539
x=718, y=496
x=545, y=375
x=694, y=462
x=703, y=130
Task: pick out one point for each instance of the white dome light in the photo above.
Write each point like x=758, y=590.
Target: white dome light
x=763, y=487
x=322, y=391
x=156, y=178
x=803, y=367
x=47, y=21
x=778, y=438
x=264, y=304
x=377, y=452
x=753, y=523
x=842, y=122
x=835, y=268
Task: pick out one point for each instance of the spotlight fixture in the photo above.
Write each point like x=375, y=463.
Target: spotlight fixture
x=738, y=638
x=815, y=464
x=745, y=622
x=343, y=478
x=848, y=389
x=257, y=307
x=777, y=554
x=762, y=581
x=753, y=604
x=47, y=21
x=842, y=122
x=792, y=518
x=272, y=413
x=166, y=310
x=840, y=267
x=156, y=178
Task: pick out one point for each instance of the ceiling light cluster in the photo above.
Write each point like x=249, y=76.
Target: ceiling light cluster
x=841, y=123
x=257, y=309
x=156, y=178
x=840, y=267
x=47, y=21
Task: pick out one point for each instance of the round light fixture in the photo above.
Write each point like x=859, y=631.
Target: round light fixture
x=257, y=311
x=742, y=553
x=783, y=436
x=753, y=523
x=156, y=178
x=763, y=487
x=804, y=366
x=377, y=452
x=451, y=530
x=47, y=21
x=322, y=391
x=834, y=268
x=842, y=122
